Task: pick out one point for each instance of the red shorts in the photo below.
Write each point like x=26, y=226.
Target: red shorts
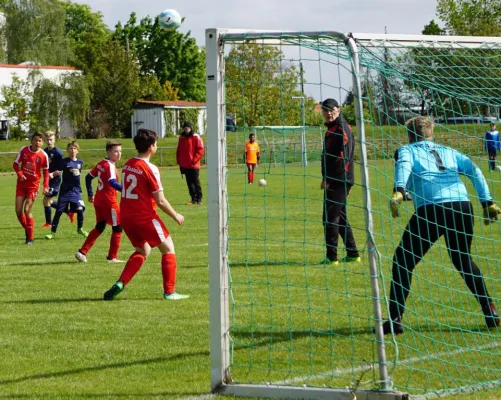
x=30, y=192
x=152, y=232
x=108, y=213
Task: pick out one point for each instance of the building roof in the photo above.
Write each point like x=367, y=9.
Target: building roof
x=28, y=66
x=174, y=104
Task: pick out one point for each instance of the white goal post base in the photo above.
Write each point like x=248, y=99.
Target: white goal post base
x=287, y=392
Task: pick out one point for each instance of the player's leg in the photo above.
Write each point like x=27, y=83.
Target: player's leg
x=458, y=237
x=191, y=187
x=47, y=201
x=249, y=173
x=62, y=205
x=30, y=221
x=81, y=254
x=197, y=187
x=116, y=234
x=78, y=208
x=169, y=270
x=19, y=207
x=420, y=233
x=346, y=233
x=331, y=221
x=492, y=159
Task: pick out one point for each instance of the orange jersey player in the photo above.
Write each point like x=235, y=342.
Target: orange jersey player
x=252, y=157
x=142, y=193
x=105, y=203
x=29, y=164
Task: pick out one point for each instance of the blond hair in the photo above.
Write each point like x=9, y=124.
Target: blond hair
x=420, y=128
x=73, y=144
x=49, y=134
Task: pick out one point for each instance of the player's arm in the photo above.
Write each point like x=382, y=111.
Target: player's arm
x=17, y=167
x=199, y=151
x=114, y=184
x=467, y=167
x=258, y=154
x=165, y=206
x=88, y=185
x=498, y=142
x=403, y=168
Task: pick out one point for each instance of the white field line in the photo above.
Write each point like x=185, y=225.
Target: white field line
x=444, y=393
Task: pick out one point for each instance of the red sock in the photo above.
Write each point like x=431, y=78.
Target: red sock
x=249, y=177
x=134, y=264
x=22, y=220
x=30, y=228
x=169, y=272
x=252, y=176
x=89, y=242
x=114, y=245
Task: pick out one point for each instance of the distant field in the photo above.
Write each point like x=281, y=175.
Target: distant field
x=292, y=321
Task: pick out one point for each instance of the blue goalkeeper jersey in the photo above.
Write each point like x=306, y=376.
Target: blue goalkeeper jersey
x=492, y=140
x=431, y=173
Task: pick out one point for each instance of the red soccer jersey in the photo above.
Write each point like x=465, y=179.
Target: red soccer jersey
x=31, y=163
x=106, y=195
x=140, y=179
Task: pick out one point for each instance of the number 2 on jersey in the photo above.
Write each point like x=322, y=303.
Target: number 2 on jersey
x=129, y=184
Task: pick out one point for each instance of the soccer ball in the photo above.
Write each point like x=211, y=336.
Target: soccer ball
x=169, y=20
x=498, y=167
x=262, y=182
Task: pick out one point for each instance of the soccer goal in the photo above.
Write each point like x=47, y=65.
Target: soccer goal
x=284, y=326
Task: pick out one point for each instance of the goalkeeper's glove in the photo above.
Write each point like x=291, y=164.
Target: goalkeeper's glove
x=395, y=202
x=491, y=214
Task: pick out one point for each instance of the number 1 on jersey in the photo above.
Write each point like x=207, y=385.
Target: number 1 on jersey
x=129, y=184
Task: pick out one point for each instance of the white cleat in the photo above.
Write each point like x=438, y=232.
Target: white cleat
x=114, y=260
x=81, y=257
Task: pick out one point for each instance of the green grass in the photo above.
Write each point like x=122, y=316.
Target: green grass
x=290, y=318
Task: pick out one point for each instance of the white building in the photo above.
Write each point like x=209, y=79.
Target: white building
x=22, y=71
x=163, y=117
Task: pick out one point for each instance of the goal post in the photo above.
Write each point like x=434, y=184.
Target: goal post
x=283, y=325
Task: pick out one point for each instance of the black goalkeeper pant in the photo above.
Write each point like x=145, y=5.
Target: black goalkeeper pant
x=454, y=221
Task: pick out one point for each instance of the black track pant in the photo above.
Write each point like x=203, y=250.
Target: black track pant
x=193, y=182
x=452, y=220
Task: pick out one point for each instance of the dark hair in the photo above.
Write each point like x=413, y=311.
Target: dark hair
x=251, y=135
x=112, y=143
x=37, y=134
x=144, y=139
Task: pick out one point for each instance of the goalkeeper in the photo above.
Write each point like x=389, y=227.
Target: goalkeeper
x=431, y=173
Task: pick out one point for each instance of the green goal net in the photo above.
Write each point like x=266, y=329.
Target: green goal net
x=283, y=325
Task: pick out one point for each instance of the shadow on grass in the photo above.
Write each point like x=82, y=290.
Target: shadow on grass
x=265, y=338
x=51, y=375
x=141, y=395
x=41, y=263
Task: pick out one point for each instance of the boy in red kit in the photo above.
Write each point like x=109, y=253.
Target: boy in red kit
x=252, y=157
x=142, y=192
x=29, y=163
x=105, y=203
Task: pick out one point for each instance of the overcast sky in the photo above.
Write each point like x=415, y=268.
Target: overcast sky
x=370, y=16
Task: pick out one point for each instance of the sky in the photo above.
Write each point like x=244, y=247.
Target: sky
x=367, y=16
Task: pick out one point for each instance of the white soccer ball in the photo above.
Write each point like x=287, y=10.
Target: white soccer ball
x=169, y=20
x=498, y=167
x=262, y=182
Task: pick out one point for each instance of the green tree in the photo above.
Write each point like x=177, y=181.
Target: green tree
x=35, y=31
x=470, y=17
x=169, y=55
x=87, y=33
x=260, y=87
x=432, y=29
x=16, y=102
x=115, y=86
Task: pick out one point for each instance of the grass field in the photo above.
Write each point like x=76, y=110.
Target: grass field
x=292, y=321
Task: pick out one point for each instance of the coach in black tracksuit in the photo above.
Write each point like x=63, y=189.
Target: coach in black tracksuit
x=337, y=179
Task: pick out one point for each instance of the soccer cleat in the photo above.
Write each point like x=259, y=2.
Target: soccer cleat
x=30, y=242
x=71, y=216
x=328, y=261
x=114, y=260
x=398, y=328
x=491, y=316
x=190, y=203
x=114, y=291
x=46, y=226
x=82, y=232
x=200, y=203
x=81, y=257
x=175, y=296
x=348, y=259
x=50, y=236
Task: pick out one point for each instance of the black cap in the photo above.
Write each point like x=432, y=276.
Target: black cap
x=329, y=104
x=187, y=124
